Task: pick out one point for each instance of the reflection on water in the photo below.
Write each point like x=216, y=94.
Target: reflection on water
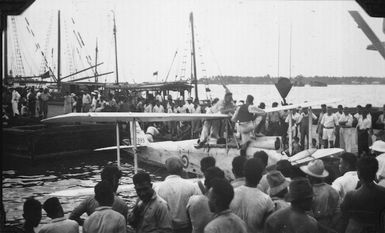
x=22, y=180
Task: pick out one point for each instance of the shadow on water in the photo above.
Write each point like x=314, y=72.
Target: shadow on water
x=22, y=179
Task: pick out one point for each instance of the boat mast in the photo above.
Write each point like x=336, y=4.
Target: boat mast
x=58, y=51
x=5, y=49
x=290, y=53
x=193, y=56
x=96, y=61
x=116, y=52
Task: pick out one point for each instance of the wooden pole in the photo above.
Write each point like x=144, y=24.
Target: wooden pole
x=193, y=56
x=117, y=144
x=290, y=133
x=116, y=52
x=134, y=142
x=310, y=128
x=58, y=51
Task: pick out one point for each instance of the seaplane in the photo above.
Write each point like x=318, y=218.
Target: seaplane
x=156, y=153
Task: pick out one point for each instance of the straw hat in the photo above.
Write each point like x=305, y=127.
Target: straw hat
x=300, y=189
x=277, y=182
x=378, y=146
x=315, y=168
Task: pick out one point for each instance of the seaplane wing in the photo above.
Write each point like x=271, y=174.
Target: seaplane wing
x=297, y=105
x=376, y=43
x=301, y=158
x=120, y=147
x=131, y=116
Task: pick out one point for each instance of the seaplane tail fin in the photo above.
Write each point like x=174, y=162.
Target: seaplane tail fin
x=376, y=43
x=141, y=138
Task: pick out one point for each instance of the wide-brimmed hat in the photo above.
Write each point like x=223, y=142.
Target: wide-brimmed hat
x=277, y=182
x=378, y=146
x=189, y=99
x=300, y=189
x=315, y=168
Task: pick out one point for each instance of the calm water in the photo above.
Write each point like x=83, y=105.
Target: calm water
x=350, y=95
x=23, y=180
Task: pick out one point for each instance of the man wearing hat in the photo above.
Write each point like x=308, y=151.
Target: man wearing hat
x=189, y=106
x=176, y=191
x=278, y=189
x=294, y=218
x=326, y=199
x=378, y=148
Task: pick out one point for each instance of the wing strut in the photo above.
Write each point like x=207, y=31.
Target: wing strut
x=117, y=144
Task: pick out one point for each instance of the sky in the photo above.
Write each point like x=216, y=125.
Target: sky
x=233, y=37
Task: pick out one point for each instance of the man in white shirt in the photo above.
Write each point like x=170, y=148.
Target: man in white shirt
x=249, y=203
x=363, y=128
x=189, y=106
x=381, y=119
x=176, y=191
x=304, y=126
x=349, y=180
x=86, y=100
x=104, y=219
x=319, y=125
x=328, y=123
x=15, y=102
x=158, y=107
x=378, y=148
x=345, y=121
x=295, y=118
x=59, y=223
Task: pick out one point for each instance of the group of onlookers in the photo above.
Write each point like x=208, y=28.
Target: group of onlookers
x=260, y=198
x=26, y=102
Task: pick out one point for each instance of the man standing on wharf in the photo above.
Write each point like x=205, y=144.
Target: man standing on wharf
x=112, y=174
x=176, y=191
x=104, y=219
x=150, y=213
x=328, y=123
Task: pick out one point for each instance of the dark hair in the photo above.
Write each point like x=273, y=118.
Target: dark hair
x=249, y=98
x=212, y=173
x=223, y=191
x=111, y=171
x=31, y=205
x=323, y=105
x=207, y=162
x=52, y=206
x=275, y=104
x=238, y=165
x=104, y=193
x=350, y=159
x=340, y=106
x=285, y=167
x=253, y=171
x=262, y=156
x=367, y=168
x=141, y=177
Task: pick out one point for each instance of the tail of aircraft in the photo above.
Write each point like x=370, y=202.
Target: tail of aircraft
x=141, y=138
x=376, y=43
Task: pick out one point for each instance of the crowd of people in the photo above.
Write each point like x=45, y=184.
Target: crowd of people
x=345, y=128
x=26, y=102
x=273, y=199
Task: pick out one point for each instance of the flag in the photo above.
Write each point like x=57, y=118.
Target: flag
x=155, y=73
